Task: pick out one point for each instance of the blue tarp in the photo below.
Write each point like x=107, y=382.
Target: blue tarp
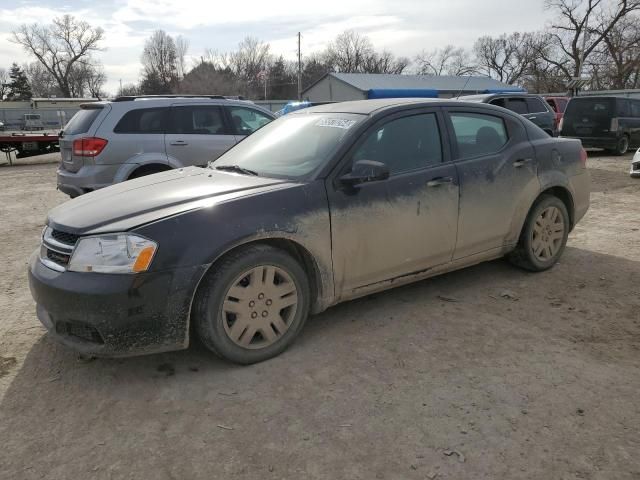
x=402, y=93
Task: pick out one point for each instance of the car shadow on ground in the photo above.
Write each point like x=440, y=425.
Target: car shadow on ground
x=58, y=397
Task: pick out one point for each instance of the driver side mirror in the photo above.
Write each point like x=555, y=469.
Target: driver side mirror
x=364, y=171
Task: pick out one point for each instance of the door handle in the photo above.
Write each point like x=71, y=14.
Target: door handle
x=179, y=143
x=436, y=182
x=521, y=162
x=532, y=118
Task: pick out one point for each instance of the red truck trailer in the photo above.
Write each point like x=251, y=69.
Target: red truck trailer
x=27, y=144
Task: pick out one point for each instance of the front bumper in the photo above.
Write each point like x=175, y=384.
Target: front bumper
x=114, y=315
x=635, y=165
x=87, y=179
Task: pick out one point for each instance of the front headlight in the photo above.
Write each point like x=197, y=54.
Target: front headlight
x=113, y=253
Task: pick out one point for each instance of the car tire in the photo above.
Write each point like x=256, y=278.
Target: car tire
x=622, y=146
x=544, y=235
x=252, y=304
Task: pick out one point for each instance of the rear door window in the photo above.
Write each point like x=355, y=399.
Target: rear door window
x=247, y=120
x=535, y=105
x=81, y=121
x=518, y=105
x=198, y=120
x=624, y=109
x=478, y=134
x=635, y=108
x=143, y=120
x=562, y=104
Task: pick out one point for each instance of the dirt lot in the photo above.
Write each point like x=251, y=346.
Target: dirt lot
x=489, y=372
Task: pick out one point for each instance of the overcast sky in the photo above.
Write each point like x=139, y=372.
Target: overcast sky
x=404, y=27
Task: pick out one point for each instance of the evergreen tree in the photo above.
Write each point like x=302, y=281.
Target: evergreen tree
x=19, y=88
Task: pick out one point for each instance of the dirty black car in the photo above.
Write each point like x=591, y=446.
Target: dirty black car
x=318, y=207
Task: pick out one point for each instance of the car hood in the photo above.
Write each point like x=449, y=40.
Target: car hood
x=135, y=202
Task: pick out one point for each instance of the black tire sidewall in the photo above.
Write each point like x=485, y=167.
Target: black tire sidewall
x=545, y=202
x=210, y=323
x=622, y=142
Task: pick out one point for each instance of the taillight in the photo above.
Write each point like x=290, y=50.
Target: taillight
x=88, y=147
x=614, y=125
x=583, y=157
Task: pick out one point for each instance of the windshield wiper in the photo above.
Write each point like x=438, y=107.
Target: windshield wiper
x=236, y=168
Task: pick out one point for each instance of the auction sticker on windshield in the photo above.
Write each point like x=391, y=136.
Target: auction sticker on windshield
x=335, y=122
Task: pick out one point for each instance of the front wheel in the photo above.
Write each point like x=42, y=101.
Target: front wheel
x=543, y=236
x=252, y=304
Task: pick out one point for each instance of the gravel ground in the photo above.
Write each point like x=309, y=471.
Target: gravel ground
x=488, y=372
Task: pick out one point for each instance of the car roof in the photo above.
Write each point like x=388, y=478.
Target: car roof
x=162, y=101
x=366, y=107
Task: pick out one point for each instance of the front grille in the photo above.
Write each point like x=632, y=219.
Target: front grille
x=64, y=237
x=57, y=257
x=80, y=330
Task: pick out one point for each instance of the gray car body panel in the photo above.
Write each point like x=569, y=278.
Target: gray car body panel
x=381, y=235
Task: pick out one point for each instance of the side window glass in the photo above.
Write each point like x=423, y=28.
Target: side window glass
x=623, y=107
x=535, y=105
x=552, y=104
x=562, y=104
x=478, y=134
x=404, y=144
x=143, y=120
x=518, y=105
x=247, y=120
x=498, y=102
x=197, y=120
x=635, y=109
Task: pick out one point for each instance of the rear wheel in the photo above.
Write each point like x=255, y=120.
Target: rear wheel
x=622, y=146
x=252, y=305
x=544, y=235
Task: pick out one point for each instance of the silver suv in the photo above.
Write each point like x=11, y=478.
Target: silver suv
x=110, y=142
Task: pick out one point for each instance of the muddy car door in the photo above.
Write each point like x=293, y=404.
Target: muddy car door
x=497, y=168
x=402, y=225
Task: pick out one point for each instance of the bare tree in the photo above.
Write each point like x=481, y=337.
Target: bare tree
x=616, y=63
x=349, y=52
x=182, y=47
x=42, y=82
x=507, y=57
x=448, y=60
x=160, y=63
x=60, y=46
x=580, y=22
x=384, y=62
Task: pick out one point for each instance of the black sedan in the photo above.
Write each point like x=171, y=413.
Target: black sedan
x=318, y=207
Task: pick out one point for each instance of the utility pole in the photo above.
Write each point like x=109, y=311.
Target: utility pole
x=299, y=70
x=584, y=47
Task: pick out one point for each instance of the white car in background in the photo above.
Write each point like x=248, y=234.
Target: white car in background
x=635, y=165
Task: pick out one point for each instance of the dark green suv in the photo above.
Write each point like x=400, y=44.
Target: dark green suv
x=531, y=107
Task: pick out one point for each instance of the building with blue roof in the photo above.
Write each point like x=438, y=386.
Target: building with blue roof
x=342, y=87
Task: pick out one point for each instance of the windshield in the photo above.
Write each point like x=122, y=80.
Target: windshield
x=292, y=146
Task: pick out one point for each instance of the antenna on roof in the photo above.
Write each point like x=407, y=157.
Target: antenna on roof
x=463, y=87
